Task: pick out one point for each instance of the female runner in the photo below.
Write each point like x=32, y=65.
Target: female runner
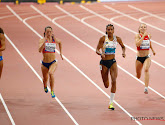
x=108, y=45
x=143, y=44
x=47, y=46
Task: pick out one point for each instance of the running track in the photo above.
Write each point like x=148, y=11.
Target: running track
x=78, y=83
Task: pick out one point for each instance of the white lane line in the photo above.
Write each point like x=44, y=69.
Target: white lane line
x=119, y=24
x=132, y=30
x=76, y=66
x=135, y=20
x=34, y=69
x=82, y=20
x=140, y=19
x=3, y=17
x=123, y=28
x=135, y=8
x=7, y=110
x=14, y=13
x=94, y=49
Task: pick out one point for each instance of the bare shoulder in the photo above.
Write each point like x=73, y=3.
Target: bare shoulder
x=137, y=36
x=102, y=39
x=118, y=39
x=149, y=35
x=41, y=40
x=57, y=40
x=2, y=36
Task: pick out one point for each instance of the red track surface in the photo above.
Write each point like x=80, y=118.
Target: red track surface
x=23, y=91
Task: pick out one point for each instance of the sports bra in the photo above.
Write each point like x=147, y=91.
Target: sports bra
x=145, y=45
x=49, y=47
x=109, y=47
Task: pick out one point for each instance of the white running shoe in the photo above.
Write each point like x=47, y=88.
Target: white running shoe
x=146, y=91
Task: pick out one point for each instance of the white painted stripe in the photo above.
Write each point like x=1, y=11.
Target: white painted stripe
x=34, y=69
x=94, y=13
x=68, y=13
x=126, y=15
x=95, y=50
x=133, y=7
x=140, y=19
x=14, y=13
x=119, y=26
x=78, y=68
x=132, y=30
x=6, y=16
x=3, y=17
x=135, y=20
x=7, y=110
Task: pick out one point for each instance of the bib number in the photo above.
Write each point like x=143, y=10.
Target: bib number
x=50, y=47
x=145, y=44
x=109, y=50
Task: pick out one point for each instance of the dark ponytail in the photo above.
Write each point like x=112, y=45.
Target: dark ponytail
x=1, y=31
x=108, y=26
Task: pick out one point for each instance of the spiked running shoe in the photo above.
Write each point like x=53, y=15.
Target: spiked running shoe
x=111, y=107
x=46, y=89
x=146, y=91
x=52, y=94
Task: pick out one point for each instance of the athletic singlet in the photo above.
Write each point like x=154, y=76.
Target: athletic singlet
x=145, y=43
x=49, y=47
x=109, y=47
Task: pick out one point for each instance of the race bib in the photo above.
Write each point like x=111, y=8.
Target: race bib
x=50, y=47
x=110, y=50
x=145, y=44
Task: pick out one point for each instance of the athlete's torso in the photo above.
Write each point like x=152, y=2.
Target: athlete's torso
x=49, y=51
x=143, y=49
x=109, y=47
x=49, y=47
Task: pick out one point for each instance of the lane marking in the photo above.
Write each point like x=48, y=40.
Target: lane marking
x=135, y=8
x=76, y=66
x=119, y=26
x=95, y=49
x=67, y=112
x=139, y=20
x=7, y=110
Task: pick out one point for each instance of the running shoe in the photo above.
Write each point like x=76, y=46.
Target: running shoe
x=52, y=94
x=46, y=89
x=111, y=106
x=146, y=91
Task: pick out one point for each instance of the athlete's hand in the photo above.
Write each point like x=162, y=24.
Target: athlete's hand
x=154, y=53
x=45, y=38
x=103, y=55
x=52, y=35
x=145, y=33
x=124, y=55
x=61, y=56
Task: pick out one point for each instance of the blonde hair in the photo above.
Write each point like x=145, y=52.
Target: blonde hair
x=140, y=25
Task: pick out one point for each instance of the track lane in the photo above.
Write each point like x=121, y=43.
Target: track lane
x=20, y=106
x=4, y=118
x=103, y=114
x=71, y=25
x=90, y=103
x=123, y=65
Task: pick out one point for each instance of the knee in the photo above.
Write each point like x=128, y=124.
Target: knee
x=106, y=84
x=50, y=74
x=45, y=79
x=146, y=70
